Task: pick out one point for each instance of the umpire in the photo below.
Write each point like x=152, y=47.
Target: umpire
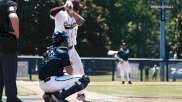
x=9, y=34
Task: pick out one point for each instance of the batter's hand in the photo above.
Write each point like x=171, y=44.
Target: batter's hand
x=68, y=5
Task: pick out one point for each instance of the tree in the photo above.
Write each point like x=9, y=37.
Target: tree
x=136, y=23
x=174, y=29
x=108, y=22
x=93, y=39
x=35, y=25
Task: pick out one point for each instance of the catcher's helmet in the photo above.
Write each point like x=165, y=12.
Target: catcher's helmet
x=59, y=37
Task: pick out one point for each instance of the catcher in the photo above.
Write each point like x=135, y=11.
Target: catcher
x=53, y=81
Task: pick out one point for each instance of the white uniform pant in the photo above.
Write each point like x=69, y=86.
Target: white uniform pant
x=124, y=69
x=76, y=61
x=76, y=64
x=59, y=83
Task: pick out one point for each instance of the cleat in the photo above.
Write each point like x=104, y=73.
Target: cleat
x=46, y=98
x=129, y=82
x=82, y=97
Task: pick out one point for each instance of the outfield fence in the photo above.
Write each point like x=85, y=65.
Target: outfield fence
x=141, y=68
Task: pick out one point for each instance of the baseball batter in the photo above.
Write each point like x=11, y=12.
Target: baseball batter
x=67, y=19
x=123, y=64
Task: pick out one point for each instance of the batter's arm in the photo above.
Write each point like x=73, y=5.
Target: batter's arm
x=55, y=10
x=79, y=19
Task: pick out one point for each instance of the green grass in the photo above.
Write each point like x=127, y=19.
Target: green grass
x=94, y=78
x=138, y=89
x=100, y=78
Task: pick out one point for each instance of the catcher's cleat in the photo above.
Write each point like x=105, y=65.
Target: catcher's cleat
x=49, y=97
x=129, y=82
x=123, y=82
x=82, y=97
x=55, y=97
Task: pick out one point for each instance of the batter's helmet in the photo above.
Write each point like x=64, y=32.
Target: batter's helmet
x=76, y=5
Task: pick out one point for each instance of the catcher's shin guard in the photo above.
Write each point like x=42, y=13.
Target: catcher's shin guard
x=48, y=98
x=51, y=97
x=80, y=85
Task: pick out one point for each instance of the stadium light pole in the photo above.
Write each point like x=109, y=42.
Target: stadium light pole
x=162, y=39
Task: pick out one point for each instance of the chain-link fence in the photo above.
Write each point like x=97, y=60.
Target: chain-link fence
x=104, y=69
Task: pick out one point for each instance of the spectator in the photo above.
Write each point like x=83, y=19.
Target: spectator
x=154, y=72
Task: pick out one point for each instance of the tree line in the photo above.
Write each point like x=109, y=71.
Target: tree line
x=108, y=23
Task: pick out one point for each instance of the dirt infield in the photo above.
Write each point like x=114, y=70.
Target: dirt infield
x=92, y=96
x=37, y=96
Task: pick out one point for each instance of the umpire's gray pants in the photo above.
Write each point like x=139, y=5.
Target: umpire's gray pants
x=8, y=71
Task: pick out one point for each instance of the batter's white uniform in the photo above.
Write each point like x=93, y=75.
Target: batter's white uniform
x=61, y=20
x=72, y=41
